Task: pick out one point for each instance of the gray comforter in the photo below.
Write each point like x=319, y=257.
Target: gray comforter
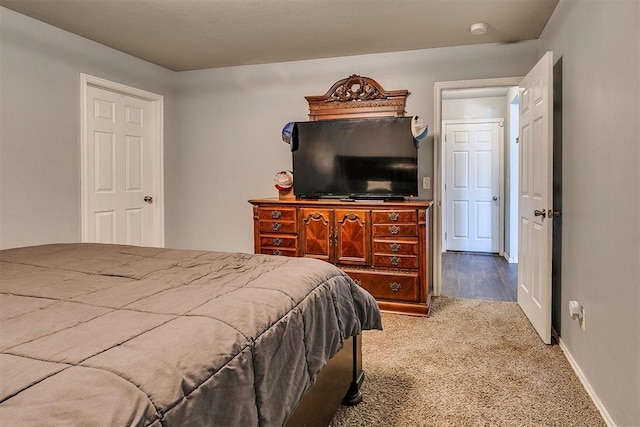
x=108, y=335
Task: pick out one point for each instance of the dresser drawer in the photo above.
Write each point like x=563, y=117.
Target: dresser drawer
x=278, y=251
x=396, y=287
x=278, y=226
x=395, y=261
x=394, y=216
x=283, y=214
x=277, y=241
x=394, y=230
x=395, y=247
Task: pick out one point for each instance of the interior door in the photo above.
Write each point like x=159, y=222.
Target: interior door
x=473, y=186
x=535, y=196
x=119, y=149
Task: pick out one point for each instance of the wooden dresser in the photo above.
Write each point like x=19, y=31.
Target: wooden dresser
x=384, y=247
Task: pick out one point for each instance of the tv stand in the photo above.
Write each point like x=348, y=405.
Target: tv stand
x=369, y=200
x=377, y=197
x=356, y=198
x=383, y=246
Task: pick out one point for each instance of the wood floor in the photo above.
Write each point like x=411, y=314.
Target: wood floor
x=478, y=276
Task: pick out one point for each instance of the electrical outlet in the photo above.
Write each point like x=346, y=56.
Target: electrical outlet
x=577, y=312
x=426, y=182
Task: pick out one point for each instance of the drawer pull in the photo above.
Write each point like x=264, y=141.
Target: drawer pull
x=394, y=229
x=277, y=241
x=393, y=216
x=276, y=226
x=395, y=260
x=395, y=247
x=394, y=286
x=276, y=214
x=358, y=282
x=277, y=252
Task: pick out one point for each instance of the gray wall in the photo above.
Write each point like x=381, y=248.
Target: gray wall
x=599, y=42
x=229, y=123
x=40, y=124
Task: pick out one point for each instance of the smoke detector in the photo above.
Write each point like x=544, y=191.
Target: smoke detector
x=479, y=28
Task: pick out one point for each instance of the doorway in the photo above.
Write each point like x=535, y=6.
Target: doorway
x=479, y=276
x=468, y=96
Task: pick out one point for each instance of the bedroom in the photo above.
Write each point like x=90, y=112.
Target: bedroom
x=222, y=147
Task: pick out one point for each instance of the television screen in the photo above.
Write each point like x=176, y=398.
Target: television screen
x=355, y=158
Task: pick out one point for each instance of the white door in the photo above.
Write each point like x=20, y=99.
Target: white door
x=535, y=196
x=120, y=165
x=473, y=186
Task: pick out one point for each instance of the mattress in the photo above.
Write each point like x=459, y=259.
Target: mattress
x=110, y=335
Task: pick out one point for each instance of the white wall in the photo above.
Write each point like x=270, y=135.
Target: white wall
x=599, y=42
x=40, y=124
x=474, y=108
x=229, y=123
x=511, y=177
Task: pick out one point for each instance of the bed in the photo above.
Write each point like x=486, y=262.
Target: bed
x=113, y=335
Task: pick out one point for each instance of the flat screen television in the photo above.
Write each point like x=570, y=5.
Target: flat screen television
x=373, y=158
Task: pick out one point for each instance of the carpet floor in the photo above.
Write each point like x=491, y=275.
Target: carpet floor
x=472, y=363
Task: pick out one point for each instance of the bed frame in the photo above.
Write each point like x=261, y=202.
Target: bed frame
x=340, y=381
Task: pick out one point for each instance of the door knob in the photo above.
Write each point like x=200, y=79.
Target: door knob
x=541, y=213
x=495, y=198
x=148, y=199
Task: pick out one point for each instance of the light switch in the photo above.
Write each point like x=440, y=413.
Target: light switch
x=426, y=182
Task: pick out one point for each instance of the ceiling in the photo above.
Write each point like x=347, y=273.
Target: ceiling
x=195, y=34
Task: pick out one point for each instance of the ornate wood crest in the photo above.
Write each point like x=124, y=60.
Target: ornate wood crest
x=356, y=96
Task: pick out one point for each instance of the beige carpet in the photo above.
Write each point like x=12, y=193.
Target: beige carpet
x=472, y=363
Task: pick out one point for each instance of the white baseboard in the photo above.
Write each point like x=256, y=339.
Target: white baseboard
x=509, y=259
x=592, y=394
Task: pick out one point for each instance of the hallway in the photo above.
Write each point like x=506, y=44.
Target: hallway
x=478, y=276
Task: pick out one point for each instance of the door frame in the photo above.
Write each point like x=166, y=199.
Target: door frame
x=493, y=120
x=157, y=103
x=439, y=87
